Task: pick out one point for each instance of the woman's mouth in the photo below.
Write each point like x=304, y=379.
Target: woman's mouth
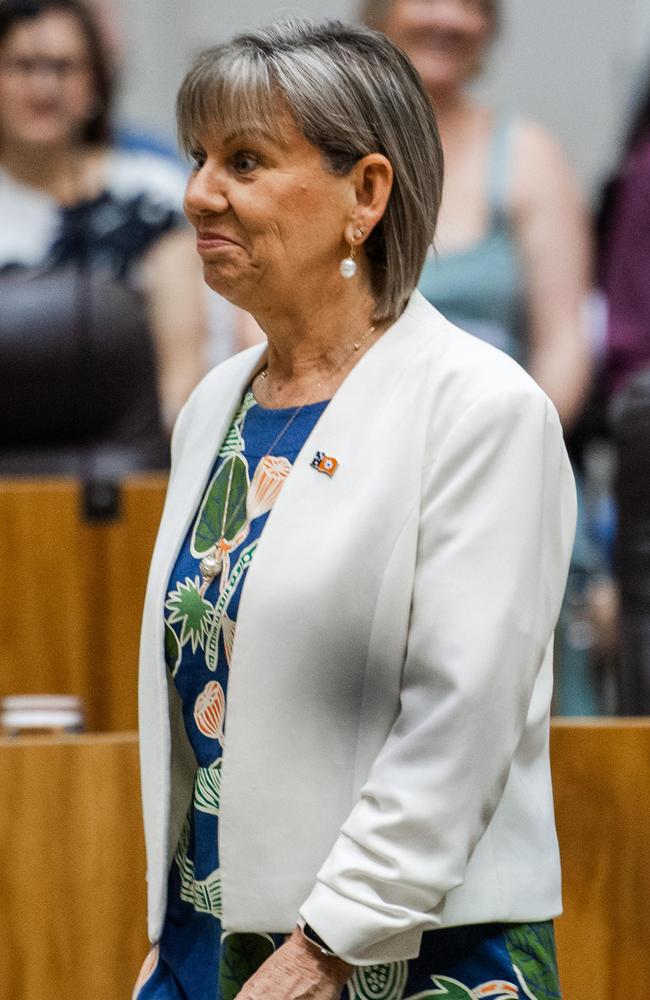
x=207, y=241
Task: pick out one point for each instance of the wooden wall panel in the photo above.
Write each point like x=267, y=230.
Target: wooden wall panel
x=71, y=594
x=601, y=774
x=72, y=889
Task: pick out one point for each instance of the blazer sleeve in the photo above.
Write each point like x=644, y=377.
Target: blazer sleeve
x=497, y=520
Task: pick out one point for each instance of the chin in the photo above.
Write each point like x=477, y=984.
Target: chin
x=441, y=76
x=45, y=138
x=220, y=283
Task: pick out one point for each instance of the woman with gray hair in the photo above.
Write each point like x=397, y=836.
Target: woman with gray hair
x=347, y=635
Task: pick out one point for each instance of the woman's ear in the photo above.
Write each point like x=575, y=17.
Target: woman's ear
x=372, y=178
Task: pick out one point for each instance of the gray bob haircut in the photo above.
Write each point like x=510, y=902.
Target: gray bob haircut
x=351, y=92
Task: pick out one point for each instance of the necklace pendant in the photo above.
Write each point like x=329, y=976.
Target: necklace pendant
x=210, y=565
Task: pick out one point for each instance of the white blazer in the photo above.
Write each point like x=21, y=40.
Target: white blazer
x=386, y=764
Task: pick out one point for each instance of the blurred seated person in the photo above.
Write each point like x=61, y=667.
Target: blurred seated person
x=102, y=324
x=625, y=280
x=512, y=258
x=511, y=262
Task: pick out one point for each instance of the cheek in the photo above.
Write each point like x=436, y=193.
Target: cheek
x=80, y=101
x=317, y=217
x=477, y=36
x=8, y=104
x=16, y=118
x=279, y=226
x=84, y=103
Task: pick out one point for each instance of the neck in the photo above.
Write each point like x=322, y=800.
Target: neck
x=452, y=108
x=312, y=350
x=60, y=171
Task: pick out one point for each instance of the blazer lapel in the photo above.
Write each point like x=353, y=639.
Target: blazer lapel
x=343, y=433
x=210, y=419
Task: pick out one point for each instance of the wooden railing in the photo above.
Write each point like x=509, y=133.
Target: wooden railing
x=601, y=775
x=72, y=892
x=71, y=594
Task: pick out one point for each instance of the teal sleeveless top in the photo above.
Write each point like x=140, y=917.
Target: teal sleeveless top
x=481, y=289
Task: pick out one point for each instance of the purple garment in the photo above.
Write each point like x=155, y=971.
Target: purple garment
x=626, y=272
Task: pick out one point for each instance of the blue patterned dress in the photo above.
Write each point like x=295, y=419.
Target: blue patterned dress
x=197, y=958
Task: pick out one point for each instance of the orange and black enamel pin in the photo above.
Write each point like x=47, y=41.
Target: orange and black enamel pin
x=324, y=463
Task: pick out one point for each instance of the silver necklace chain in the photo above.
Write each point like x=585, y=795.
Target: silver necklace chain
x=211, y=564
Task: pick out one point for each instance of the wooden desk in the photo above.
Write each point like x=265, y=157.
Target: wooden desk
x=71, y=594
x=72, y=891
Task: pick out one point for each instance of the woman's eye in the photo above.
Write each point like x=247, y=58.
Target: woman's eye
x=198, y=159
x=245, y=163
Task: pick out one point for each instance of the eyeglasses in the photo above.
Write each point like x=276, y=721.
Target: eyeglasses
x=25, y=68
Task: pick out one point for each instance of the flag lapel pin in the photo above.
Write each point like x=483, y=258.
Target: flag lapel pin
x=324, y=463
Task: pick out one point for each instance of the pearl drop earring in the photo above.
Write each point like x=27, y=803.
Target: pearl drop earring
x=348, y=266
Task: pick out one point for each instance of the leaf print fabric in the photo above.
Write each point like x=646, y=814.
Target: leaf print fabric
x=532, y=950
x=241, y=956
x=454, y=990
x=172, y=650
x=207, y=789
x=380, y=982
x=267, y=482
x=229, y=590
x=209, y=711
x=223, y=512
x=200, y=642
x=204, y=895
x=189, y=608
x=468, y=963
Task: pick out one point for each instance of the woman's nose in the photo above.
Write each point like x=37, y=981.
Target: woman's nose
x=205, y=194
x=45, y=78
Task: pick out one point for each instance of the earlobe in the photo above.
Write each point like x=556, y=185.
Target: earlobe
x=348, y=266
x=373, y=185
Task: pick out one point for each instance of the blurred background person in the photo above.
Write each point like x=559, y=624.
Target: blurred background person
x=102, y=326
x=625, y=280
x=512, y=255
x=512, y=259
x=229, y=329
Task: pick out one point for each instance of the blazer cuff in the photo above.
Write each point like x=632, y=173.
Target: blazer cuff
x=356, y=933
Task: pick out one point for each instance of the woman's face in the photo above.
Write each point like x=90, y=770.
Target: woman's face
x=46, y=87
x=269, y=217
x=445, y=39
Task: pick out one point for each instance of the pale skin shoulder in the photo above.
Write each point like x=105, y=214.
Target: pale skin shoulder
x=552, y=228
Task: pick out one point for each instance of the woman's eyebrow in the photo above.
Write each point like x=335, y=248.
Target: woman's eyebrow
x=252, y=132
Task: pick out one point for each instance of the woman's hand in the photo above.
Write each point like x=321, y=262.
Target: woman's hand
x=297, y=971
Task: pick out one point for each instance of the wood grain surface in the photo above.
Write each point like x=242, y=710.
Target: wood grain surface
x=71, y=594
x=601, y=774
x=72, y=890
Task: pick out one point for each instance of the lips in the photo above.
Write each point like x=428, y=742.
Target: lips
x=207, y=240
